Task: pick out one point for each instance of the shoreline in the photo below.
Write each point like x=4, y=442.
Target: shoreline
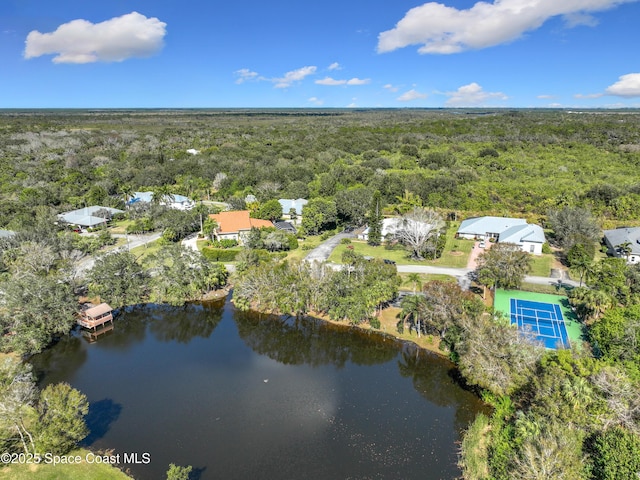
x=387, y=318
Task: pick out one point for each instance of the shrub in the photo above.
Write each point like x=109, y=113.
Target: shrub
x=375, y=322
x=546, y=248
x=488, y=152
x=345, y=241
x=224, y=243
x=615, y=453
x=293, y=241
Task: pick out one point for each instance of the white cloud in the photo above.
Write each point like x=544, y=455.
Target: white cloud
x=294, y=76
x=546, y=97
x=358, y=81
x=579, y=18
x=335, y=66
x=315, y=101
x=588, y=95
x=114, y=40
x=444, y=30
x=626, y=86
x=244, y=75
x=411, y=95
x=332, y=82
x=471, y=95
x=390, y=87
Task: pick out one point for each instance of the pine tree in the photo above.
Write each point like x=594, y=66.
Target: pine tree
x=375, y=220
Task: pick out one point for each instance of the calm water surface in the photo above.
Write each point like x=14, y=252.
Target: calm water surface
x=247, y=396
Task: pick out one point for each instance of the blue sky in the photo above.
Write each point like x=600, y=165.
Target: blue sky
x=329, y=53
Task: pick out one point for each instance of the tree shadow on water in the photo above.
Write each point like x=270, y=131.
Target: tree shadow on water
x=99, y=419
x=196, y=473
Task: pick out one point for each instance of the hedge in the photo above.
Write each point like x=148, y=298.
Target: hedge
x=220, y=254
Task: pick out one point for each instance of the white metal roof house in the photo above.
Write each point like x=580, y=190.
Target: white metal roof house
x=86, y=217
x=615, y=239
x=504, y=230
x=177, y=202
x=529, y=237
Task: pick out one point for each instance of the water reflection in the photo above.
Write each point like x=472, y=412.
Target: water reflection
x=297, y=341
x=101, y=415
x=183, y=324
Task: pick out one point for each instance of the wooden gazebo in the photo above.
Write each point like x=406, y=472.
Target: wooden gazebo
x=95, y=317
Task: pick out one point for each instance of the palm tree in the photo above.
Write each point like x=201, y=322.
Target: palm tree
x=411, y=306
x=161, y=195
x=127, y=192
x=584, y=265
x=625, y=249
x=416, y=280
x=408, y=201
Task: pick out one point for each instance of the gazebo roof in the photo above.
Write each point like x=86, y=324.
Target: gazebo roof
x=98, y=310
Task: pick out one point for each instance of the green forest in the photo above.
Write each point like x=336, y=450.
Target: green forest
x=502, y=162
x=567, y=414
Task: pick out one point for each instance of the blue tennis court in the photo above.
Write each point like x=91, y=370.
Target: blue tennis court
x=544, y=319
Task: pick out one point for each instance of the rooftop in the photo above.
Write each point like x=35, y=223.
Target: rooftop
x=484, y=225
x=238, y=220
x=620, y=236
x=85, y=217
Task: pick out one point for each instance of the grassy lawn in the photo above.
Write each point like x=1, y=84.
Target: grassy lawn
x=424, y=278
x=388, y=324
x=298, y=254
x=81, y=471
x=456, y=252
x=120, y=226
x=398, y=253
x=144, y=251
x=541, y=265
x=551, y=289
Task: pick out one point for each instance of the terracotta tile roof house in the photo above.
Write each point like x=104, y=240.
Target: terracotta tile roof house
x=234, y=224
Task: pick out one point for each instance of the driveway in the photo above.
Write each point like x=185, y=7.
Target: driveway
x=321, y=252
x=476, y=251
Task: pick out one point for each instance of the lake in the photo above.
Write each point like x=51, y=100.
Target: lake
x=240, y=395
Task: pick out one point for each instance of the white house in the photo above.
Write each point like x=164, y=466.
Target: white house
x=504, y=230
x=88, y=217
x=619, y=237
x=177, y=202
x=391, y=226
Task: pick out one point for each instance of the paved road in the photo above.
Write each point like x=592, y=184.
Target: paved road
x=134, y=241
x=463, y=272
x=321, y=252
